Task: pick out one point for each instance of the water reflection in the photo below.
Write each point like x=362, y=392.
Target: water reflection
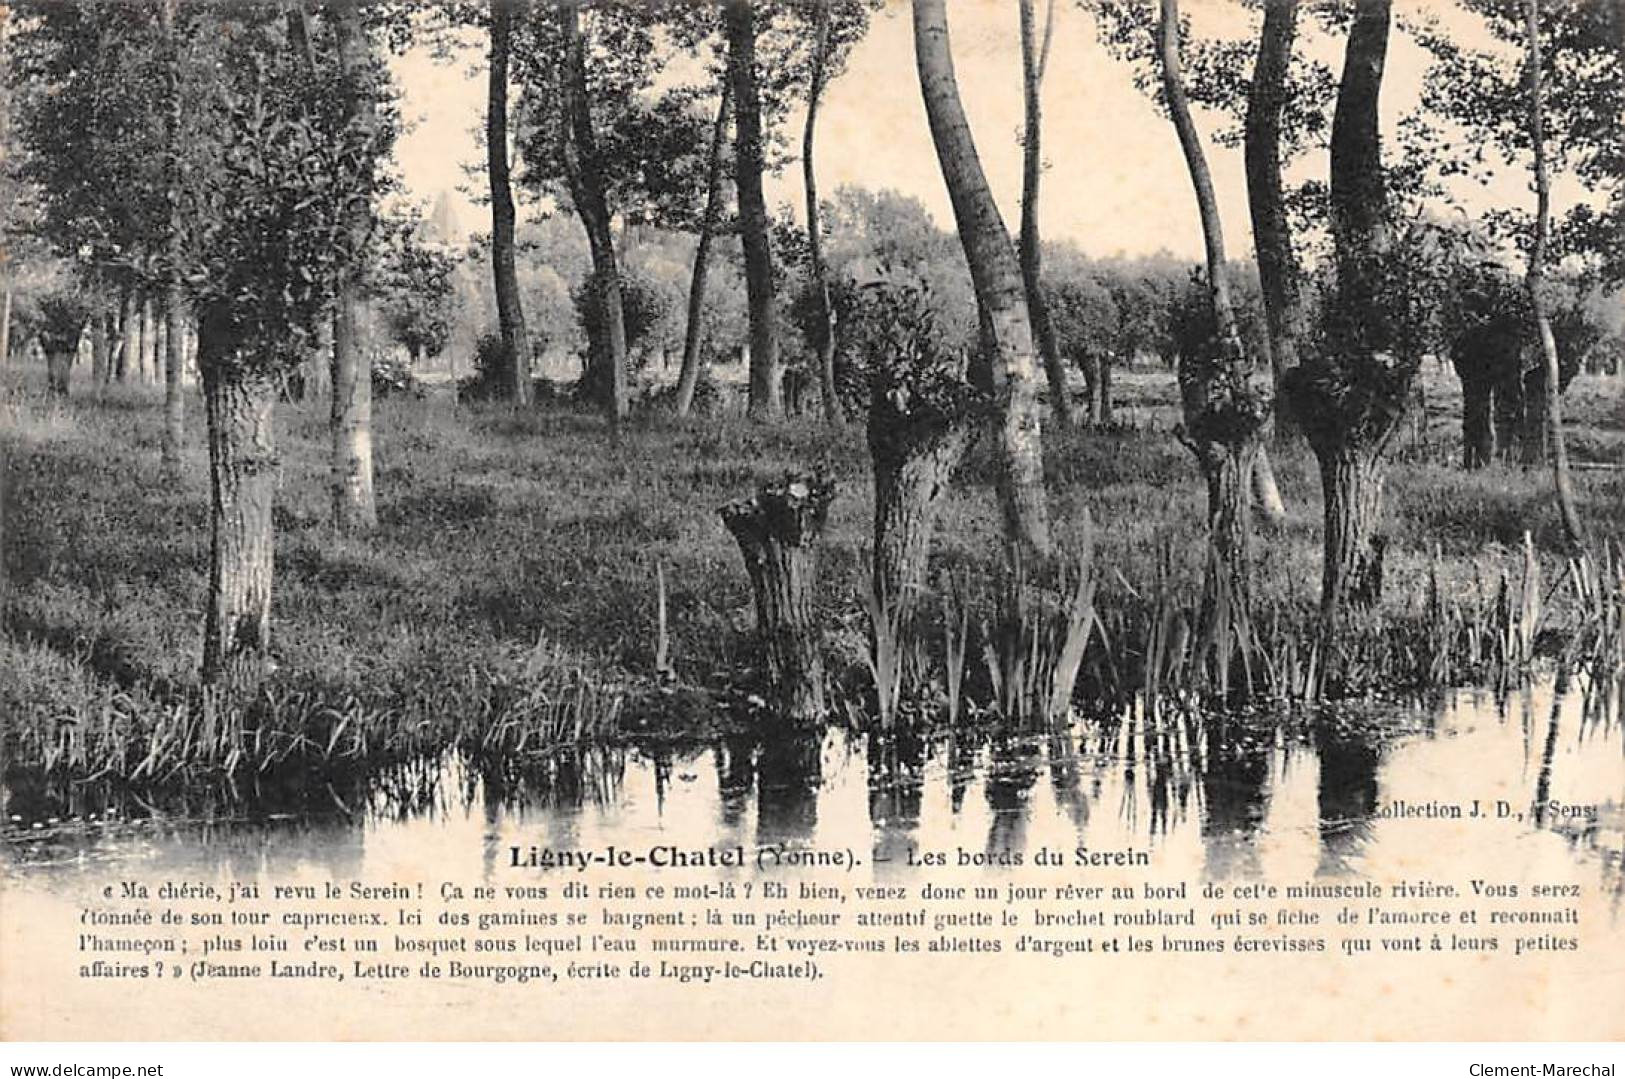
x=1329, y=793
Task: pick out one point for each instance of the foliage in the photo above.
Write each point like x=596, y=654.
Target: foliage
x=1482, y=90
x=899, y=364
x=645, y=308
x=492, y=365
x=414, y=284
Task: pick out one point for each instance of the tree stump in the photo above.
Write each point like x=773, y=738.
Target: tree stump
x=778, y=531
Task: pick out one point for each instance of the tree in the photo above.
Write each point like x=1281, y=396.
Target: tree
x=1573, y=532
x=766, y=371
x=688, y=379
x=582, y=167
x=416, y=287
x=1278, y=270
x=351, y=482
x=1485, y=91
x=510, y=309
x=822, y=48
x=1223, y=411
x=1351, y=392
x=1034, y=61
x=273, y=191
x=1006, y=365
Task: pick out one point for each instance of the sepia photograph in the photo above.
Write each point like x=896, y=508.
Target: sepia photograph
x=813, y=520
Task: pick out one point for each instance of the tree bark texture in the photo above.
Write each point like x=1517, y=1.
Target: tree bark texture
x=778, y=532
x=1352, y=481
x=1034, y=60
x=510, y=309
x=914, y=460
x=242, y=487
x=766, y=373
x=688, y=380
x=815, y=237
x=585, y=175
x=1008, y=359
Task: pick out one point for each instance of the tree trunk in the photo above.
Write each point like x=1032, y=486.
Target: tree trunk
x=1351, y=398
x=688, y=380
x=582, y=169
x=1551, y=398
x=1272, y=233
x=350, y=415
x=1477, y=427
x=766, y=373
x=100, y=351
x=1359, y=197
x=350, y=419
x=1103, y=395
x=1509, y=418
x=510, y=310
x=1223, y=414
x=129, y=360
x=174, y=294
x=1034, y=60
x=1225, y=617
x=149, y=342
x=1266, y=492
x=58, y=370
x=242, y=482
x=1007, y=342
x=5, y=327
x=174, y=398
x=913, y=463
x=815, y=237
x=778, y=532
x=1352, y=481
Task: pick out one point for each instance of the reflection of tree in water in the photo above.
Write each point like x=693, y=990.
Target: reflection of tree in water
x=1066, y=779
x=789, y=771
x=896, y=781
x=1349, y=758
x=1013, y=766
x=1235, y=776
x=735, y=758
x=962, y=751
x=1587, y=832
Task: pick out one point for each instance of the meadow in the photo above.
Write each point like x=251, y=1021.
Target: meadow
x=507, y=602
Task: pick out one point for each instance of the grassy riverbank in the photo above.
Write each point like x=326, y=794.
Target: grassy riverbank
x=507, y=600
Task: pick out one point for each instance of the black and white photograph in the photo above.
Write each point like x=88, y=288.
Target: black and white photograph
x=813, y=520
